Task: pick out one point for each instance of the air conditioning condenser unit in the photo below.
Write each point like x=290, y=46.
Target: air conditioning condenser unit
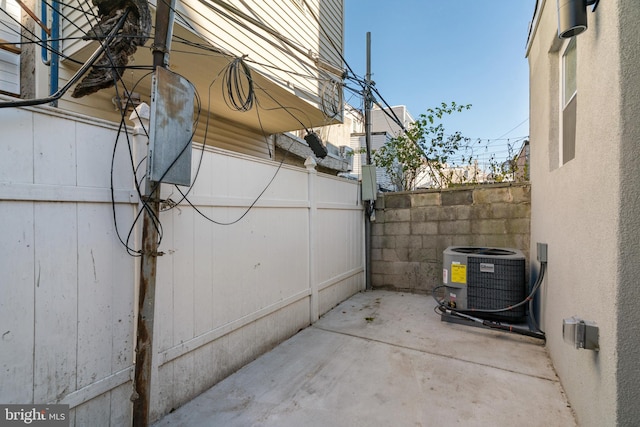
x=483, y=281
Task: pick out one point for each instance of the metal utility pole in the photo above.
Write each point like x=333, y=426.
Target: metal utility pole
x=367, y=101
x=369, y=205
x=147, y=285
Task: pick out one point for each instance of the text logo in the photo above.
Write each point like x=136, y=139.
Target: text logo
x=34, y=415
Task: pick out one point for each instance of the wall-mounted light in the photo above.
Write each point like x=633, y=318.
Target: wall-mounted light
x=572, y=16
x=315, y=143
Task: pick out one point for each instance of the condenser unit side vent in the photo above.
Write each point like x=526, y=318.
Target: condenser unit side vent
x=480, y=278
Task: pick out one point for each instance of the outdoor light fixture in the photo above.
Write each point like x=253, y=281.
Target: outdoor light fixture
x=572, y=16
x=315, y=143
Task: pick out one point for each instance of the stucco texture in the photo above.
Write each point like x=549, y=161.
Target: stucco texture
x=586, y=209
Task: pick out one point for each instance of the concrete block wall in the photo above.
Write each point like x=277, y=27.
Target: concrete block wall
x=412, y=229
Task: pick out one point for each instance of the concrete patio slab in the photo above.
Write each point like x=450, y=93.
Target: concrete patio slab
x=385, y=359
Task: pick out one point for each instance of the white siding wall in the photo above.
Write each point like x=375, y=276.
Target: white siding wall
x=225, y=294
x=291, y=64
x=285, y=17
x=10, y=32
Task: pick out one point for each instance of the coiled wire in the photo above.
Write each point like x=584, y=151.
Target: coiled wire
x=240, y=93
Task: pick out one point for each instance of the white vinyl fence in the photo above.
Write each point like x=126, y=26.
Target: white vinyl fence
x=224, y=294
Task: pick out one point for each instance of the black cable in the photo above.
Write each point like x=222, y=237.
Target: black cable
x=130, y=251
x=241, y=98
x=264, y=134
x=388, y=111
x=20, y=25
x=287, y=109
x=248, y=208
x=393, y=115
x=495, y=310
x=125, y=243
x=244, y=213
x=58, y=94
x=35, y=40
x=145, y=207
x=240, y=94
x=272, y=32
x=205, y=137
x=184, y=195
x=444, y=309
x=289, y=72
x=103, y=48
x=220, y=53
x=170, y=203
x=335, y=108
x=156, y=183
x=258, y=24
x=233, y=63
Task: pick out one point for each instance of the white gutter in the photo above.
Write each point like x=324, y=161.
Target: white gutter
x=534, y=25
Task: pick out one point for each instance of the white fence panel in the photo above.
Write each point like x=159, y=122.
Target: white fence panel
x=340, y=241
x=17, y=302
x=225, y=293
x=226, y=290
x=68, y=286
x=56, y=304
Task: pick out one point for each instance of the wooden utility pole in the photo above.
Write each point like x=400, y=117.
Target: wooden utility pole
x=369, y=205
x=147, y=285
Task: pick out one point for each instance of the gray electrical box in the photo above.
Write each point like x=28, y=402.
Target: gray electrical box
x=171, y=128
x=582, y=334
x=369, y=182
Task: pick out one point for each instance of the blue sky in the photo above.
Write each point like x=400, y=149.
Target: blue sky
x=424, y=52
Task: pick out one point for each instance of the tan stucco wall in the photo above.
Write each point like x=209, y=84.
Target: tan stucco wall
x=628, y=300
x=586, y=210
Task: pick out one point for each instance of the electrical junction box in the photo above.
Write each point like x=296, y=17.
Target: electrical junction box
x=582, y=334
x=171, y=130
x=369, y=182
x=479, y=278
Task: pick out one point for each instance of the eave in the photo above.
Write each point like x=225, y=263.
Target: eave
x=280, y=105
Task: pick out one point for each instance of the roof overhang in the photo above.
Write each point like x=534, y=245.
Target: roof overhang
x=278, y=107
x=533, y=27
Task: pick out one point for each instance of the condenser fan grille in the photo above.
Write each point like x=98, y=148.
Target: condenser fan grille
x=502, y=286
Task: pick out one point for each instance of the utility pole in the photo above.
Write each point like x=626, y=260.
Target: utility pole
x=367, y=101
x=147, y=285
x=369, y=205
